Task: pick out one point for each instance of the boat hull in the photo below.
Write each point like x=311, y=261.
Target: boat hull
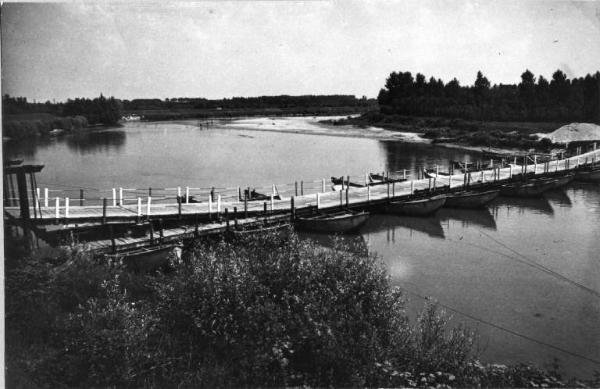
x=421, y=207
x=470, y=199
x=527, y=189
x=333, y=224
x=588, y=175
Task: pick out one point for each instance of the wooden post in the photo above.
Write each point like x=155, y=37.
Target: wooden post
x=210, y=207
x=218, y=204
x=81, y=197
x=292, y=208
x=450, y=182
x=104, y=210
x=57, y=208
x=66, y=207
x=296, y=187
x=120, y=196
x=341, y=198
x=272, y=203
x=161, y=232
x=239, y=194
x=412, y=186
x=37, y=197
x=342, y=183
x=148, y=207
x=347, y=195
x=179, y=191
x=482, y=177
x=151, y=233
x=187, y=194
x=149, y=191
x=394, y=189
x=46, y=197
x=323, y=185
x=245, y=207
x=366, y=178
x=404, y=174
x=235, y=221
x=318, y=200
x=369, y=193
x=212, y=193
x=139, y=210
x=302, y=188
x=429, y=180
x=112, y=238
x=273, y=190
x=437, y=170
x=434, y=181
x=114, y=197
x=179, y=207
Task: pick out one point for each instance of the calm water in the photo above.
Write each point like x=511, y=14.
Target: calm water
x=531, y=267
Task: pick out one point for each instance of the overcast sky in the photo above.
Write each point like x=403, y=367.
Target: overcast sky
x=249, y=48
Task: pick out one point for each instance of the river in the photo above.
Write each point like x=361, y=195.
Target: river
x=524, y=273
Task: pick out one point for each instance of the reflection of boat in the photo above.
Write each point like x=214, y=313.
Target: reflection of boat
x=536, y=204
x=341, y=221
x=481, y=217
x=388, y=223
x=380, y=179
x=562, y=180
x=470, y=199
x=590, y=174
x=243, y=232
x=420, y=207
x=558, y=196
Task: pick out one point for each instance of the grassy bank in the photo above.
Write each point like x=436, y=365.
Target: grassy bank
x=464, y=132
x=21, y=126
x=270, y=310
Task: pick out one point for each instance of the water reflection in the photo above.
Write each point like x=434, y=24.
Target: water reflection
x=414, y=156
x=97, y=141
x=392, y=225
x=468, y=217
x=521, y=206
x=559, y=197
x=354, y=241
x=26, y=148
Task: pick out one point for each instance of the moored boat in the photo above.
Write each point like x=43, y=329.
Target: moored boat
x=588, y=175
x=531, y=188
x=342, y=221
x=471, y=199
x=420, y=207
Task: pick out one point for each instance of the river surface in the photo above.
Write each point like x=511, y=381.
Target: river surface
x=524, y=273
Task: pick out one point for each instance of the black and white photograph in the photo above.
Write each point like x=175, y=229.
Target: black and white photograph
x=301, y=194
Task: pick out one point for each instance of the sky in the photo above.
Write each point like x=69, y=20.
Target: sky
x=251, y=48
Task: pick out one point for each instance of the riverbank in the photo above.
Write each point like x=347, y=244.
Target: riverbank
x=24, y=126
x=471, y=135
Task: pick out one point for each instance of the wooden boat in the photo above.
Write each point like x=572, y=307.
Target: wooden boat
x=562, y=180
x=147, y=258
x=420, y=207
x=430, y=173
x=341, y=181
x=531, y=188
x=260, y=230
x=343, y=221
x=471, y=199
x=253, y=195
x=379, y=179
x=588, y=175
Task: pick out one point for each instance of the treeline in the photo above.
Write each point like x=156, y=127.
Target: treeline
x=559, y=99
x=100, y=110
x=261, y=102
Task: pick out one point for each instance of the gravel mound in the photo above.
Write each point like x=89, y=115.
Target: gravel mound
x=574, y=132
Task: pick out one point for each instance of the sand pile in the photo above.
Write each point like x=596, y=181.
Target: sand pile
x=574, y=132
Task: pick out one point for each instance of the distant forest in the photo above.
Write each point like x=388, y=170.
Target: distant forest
x=559, y=99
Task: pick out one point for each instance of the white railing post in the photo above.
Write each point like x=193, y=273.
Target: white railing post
x=46, y=197
x=209, y=204
x=187, y=194
x=219, y=204
x=341, y=198
x=139, y=207
x=272, y=202
x=37, y=196
x=120, y=196
x=66, y=207
x=450, y=181
x=318, y=200
x=148, y=206
x=114, y=197
x=323, y=185
x=366, y=178
x=179, y=192
x=404, y=174
x=368, y=193
x=509, y=171
x=412, y=187
x=482, y=177
x=57, y=208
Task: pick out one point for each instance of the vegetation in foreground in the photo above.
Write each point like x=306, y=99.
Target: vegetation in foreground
x=267, y=311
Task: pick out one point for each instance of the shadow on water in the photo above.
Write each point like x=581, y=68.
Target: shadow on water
x=26, y=148
x=468, y=217
x=538, y=205
x=559, y=197
x=391, y=224
x=97, y=141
